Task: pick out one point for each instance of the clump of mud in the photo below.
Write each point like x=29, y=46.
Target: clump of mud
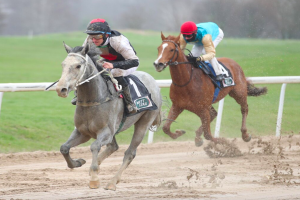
x=223, y=148
x=168, y=184
x=210, y=178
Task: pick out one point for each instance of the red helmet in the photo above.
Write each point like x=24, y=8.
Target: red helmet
x=188, y=28
x=98, y=26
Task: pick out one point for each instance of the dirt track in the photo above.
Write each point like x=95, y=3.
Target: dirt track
x=266, y=169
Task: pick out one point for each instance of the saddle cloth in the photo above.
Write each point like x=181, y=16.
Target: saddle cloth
x=209, y=70
x=140, y=94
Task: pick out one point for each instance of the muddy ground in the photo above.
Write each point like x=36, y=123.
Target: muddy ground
x=265, y=168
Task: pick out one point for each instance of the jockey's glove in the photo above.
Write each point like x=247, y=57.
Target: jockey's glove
x=194, y=59
x=191, y=59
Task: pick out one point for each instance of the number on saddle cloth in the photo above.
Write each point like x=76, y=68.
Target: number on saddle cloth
x=140, y=94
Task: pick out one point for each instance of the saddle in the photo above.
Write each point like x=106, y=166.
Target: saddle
x=139, y=94
x=209, y=70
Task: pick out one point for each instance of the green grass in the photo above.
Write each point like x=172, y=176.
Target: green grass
x=42, y=121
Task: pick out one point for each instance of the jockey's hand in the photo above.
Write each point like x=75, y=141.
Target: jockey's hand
x=191, y=59
x=107, y=65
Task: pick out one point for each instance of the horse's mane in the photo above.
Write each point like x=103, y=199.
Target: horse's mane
x=93, y=50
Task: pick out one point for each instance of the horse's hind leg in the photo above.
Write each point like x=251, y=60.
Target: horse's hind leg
x=75, y=139
x=242, y=100
x=198, y=140
x=110, y=148
x=173, y=114
x=140, y=130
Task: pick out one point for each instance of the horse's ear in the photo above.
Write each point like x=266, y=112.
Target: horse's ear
x=162, y=36
x=85, y=49
x=68, y=49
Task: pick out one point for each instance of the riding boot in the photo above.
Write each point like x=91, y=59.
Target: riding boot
x=221, y=73
x=128, y=100
x=74, y=100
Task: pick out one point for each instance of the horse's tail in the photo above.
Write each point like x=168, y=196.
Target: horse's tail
x=255, y=91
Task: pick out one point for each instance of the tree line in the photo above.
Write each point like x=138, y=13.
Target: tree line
x=238, y=18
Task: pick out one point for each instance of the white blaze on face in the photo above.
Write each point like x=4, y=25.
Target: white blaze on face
x=159, y=57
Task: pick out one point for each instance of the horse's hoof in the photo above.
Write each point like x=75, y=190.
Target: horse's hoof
x=198, y=142
x=180, y=132
x=247, y=139
x=110, y=186
x=80, y=162
x=94, y=184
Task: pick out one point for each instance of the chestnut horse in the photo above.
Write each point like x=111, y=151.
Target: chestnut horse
x=193, y=90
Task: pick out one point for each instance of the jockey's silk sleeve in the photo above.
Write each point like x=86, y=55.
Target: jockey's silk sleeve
x=209, y=48
x=122, y=46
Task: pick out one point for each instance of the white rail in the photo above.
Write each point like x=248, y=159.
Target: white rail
x=19, y=87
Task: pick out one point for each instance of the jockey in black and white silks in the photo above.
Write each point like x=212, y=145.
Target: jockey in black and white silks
x=117, y=54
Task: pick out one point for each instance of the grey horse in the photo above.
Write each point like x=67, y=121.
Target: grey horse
x=99, y=113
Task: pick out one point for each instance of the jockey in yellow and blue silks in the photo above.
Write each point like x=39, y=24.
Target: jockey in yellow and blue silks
x=205, y=37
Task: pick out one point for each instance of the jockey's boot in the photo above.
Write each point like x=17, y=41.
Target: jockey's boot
x=220, y=77
x=74, y=100
x=128, y=100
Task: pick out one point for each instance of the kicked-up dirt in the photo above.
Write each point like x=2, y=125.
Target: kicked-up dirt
x=264, y=168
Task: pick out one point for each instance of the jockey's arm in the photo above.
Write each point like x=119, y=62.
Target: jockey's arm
x=122, y=46
x=208, y=47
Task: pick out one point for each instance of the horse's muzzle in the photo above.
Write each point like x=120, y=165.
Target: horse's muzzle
x=159, y=66
x=62, y=91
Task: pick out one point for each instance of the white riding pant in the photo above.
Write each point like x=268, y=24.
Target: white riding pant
x=199, y=50
x=123, y=72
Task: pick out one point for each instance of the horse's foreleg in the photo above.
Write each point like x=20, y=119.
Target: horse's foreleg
x=104, y=137
x=75, y=139
x=140, y=130
x=198, y=140
x=205, y=119
x=173, y=114
x=110, y=148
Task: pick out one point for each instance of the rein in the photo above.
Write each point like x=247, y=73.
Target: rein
x=178, y=63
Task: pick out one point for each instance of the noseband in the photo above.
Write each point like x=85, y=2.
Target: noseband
x=170, y=63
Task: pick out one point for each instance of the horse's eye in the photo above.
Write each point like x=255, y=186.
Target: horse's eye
x=172, y=49
x=78, y=66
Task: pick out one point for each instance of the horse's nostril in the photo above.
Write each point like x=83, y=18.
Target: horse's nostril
x=161, y=65
x=64, y=90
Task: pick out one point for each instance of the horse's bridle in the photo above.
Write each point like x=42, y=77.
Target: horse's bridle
x=170, y=63
x=85, y=66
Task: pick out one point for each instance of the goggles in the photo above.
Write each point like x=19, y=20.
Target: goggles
x=97, y=37
x=188, y=36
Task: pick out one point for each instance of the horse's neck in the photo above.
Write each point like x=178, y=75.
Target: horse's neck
x=94, y=90
x=180, y=73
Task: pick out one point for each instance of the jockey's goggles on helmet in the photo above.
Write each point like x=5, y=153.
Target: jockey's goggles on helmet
x=97, y=37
